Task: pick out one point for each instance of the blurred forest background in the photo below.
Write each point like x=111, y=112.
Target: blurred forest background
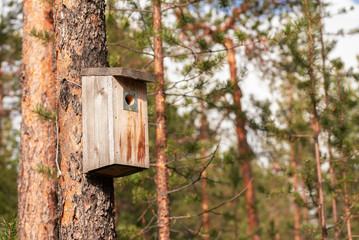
x=298, y=149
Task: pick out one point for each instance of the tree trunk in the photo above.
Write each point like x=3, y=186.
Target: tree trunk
x=163, y=211
x=295, y=187
x=326, y=86
x=37, y=172
x=204, y=137
x=243, y=147
x=293, y=162
x=86, y=202
x=315, y=128
x=344, y=174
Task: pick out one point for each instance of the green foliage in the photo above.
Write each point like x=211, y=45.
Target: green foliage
x=240, y=35
x=43, y=35
x=44, y=113
x=46, y=171
x=8, y=229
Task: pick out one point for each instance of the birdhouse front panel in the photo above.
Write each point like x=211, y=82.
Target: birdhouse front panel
x=115, y=124
x=130, y=122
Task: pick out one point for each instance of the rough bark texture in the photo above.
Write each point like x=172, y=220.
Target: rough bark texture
x=36, y=187
x=86, y=203
x=243, y=147
x=163, y=211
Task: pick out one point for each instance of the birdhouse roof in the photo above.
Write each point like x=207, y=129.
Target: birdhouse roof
x=119, y=72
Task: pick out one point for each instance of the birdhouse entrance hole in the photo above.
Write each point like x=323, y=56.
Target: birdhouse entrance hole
x=130, y=100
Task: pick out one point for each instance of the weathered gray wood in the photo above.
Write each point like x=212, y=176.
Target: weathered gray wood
x=119, y=72
x=115, y=140
x=131, y=128
x=97, y=95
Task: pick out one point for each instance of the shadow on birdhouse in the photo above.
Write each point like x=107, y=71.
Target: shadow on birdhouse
x=115, y=123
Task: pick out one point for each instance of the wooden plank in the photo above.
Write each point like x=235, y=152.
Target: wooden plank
x=117, y=170
x=119, y=72
x=101, y=115
x=88, y=123
x=130, y=128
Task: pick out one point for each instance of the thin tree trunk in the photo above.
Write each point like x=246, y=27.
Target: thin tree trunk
x=276, y=225
x=86, y=202
x=304, y=211
x=163, y=211
x=36, y=185
x=204, y=136
x=293, y=162
x=315, y=127
x=243, y=147
x=295, y=187
x=205, y=217
x=326, y=86
x=346, y=199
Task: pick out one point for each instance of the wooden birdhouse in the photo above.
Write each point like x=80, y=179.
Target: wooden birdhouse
x=115, y=124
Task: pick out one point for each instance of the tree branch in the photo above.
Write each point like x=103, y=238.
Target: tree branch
x=217, y=206
x=130, y=10
x=179, y=5
x=131, y=49
x=199, y=176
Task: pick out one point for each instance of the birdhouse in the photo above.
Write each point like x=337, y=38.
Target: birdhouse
x=115, y=123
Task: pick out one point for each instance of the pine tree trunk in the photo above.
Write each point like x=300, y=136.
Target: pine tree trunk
x=315, y=128
x=243, y=147
x=37, y=171
x=276, y=225
x=293, y=162
x=296, y=210
x=86, y=202
x=326, y=86
x=163, y=211
x=344, y=174
x=204, y=136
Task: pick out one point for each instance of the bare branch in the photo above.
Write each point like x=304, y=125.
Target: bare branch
x=144, y=212
x=346, y=218
x=180, y=5
x=202, y=52
x=199, y=176
x=131, y=49
x=148, y=64
x=130, y=10
x=217, y=206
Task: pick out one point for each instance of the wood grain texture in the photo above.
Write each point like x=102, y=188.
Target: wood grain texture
x=115, y=139
x=119, y=72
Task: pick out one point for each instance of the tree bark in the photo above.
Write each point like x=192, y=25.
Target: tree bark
x=163, y=211
x=37, y=172
x=204, y=137
x=344, y=174
x=243, y=147
x=296, y=210
x=326, y=86
x=86, y=202
x=315, y=128
x=293, y=162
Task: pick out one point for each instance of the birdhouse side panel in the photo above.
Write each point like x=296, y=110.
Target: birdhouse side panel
x=97, y=111
x=130, y=123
